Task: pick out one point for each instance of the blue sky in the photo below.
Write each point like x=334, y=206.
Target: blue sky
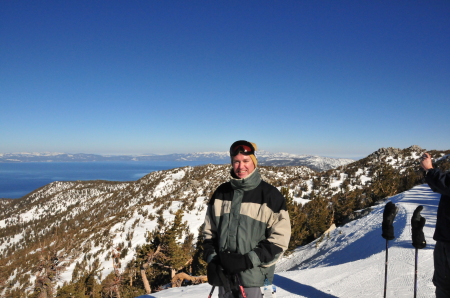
x=330, y=78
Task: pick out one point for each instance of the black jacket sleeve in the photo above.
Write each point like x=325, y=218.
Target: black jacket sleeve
x=439, y=182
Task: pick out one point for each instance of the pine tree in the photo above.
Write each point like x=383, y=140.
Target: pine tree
x=319, y=216
x=198, y=264
x=47, y=270
x=178, y=256
x=385, y=181
x=297, y=218
x=343, y=206
x=146, y=256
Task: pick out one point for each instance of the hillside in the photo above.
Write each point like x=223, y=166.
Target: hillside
x=101, y=231
x=88, y=219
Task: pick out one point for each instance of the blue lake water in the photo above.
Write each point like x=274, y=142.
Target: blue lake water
x=19, y=179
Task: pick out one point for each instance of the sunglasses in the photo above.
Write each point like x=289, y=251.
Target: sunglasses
x=244, y=149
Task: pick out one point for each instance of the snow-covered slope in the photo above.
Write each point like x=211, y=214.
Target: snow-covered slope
x=350, y=260
x=317, y=163
x=95, y=217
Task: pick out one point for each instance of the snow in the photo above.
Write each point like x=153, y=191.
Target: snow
x=195, y=218
x=350, y=260
x=443, y=157
x=162, y=188
x=301, y=200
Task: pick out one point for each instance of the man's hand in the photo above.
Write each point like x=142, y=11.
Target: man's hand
x=214, y=272
x=235, y=262
x=425, y=162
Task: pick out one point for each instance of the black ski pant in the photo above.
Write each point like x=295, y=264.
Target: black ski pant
x=254, y=292
x=441, y=277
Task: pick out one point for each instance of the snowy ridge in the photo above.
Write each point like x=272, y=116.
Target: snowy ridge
x=317, y=163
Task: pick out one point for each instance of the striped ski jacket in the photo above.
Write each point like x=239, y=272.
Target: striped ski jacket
x=248, y=216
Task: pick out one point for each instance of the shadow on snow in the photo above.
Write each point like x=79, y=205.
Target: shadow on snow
x=369, y=244
x=297, y=288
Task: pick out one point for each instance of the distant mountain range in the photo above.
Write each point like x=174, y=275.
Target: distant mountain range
x=71, y=235
x=316, y=163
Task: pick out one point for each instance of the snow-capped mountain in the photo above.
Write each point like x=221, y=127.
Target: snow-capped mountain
x=316, y=163
x=68, y=233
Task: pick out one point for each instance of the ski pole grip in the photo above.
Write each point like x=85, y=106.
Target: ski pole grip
x=242, y=291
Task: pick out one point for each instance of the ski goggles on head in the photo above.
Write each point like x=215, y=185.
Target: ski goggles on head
x=243, y=149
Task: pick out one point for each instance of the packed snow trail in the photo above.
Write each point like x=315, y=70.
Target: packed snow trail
x=350, y=261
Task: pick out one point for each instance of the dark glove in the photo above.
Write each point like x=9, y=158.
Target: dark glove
x=218, y=277
x=417, y=224
x=235, y=262
x=214, y=272
x=208, y=249
x=390, y=211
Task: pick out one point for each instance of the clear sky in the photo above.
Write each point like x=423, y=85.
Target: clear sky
x=330, y=78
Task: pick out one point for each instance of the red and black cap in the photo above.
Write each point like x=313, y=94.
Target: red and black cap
x=242, y=147
x=246, y=148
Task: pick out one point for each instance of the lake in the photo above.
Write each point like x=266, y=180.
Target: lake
x=19, y=179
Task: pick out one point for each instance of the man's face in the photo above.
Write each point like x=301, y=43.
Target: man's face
x=242, y=165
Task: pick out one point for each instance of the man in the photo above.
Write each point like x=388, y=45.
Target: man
x=440, y=182
x=247, y=227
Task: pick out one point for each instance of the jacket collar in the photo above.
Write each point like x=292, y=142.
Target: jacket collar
x=247, y=183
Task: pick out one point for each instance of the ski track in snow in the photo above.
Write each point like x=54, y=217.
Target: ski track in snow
x=350, y=261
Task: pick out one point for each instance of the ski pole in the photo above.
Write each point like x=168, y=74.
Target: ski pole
x=415, y=273
x=212, y=290
x=241, y=287
x=418, y=238
x=389, y=213
x=386, y=269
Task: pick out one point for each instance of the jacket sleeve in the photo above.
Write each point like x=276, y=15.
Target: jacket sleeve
x=269, y=250
x=209, y=235
x=439, y=182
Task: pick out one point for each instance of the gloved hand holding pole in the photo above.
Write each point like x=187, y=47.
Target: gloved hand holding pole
x=418, y=239
x=417, y=224
x=389, y=213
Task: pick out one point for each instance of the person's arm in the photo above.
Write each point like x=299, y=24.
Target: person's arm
x=209, y=235
x=439, y=182
x=269, y=250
